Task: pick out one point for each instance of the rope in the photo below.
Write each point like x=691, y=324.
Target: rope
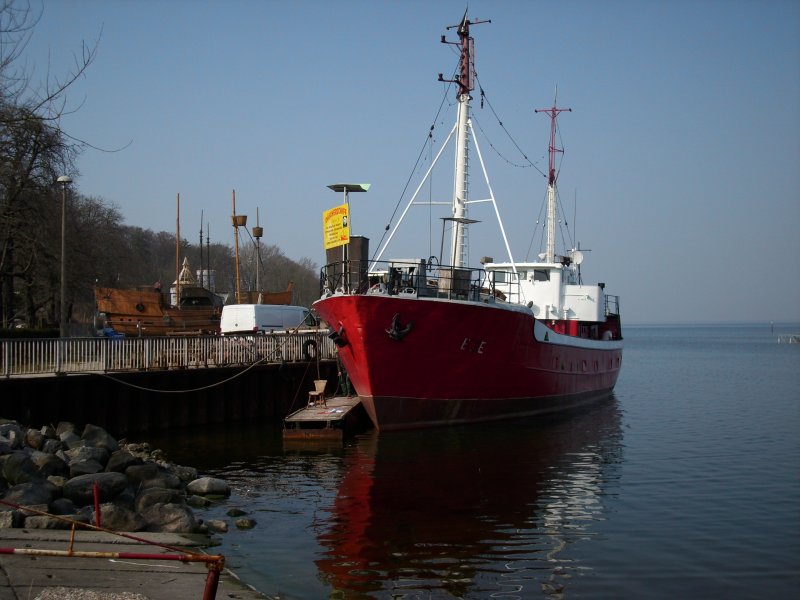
x=212, y=385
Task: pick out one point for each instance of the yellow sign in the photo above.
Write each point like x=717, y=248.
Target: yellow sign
x=336, y=226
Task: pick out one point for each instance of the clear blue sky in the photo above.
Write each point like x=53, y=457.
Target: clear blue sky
x=682, y=150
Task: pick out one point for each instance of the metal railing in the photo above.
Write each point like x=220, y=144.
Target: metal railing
x=416, y=278
x=87, y=355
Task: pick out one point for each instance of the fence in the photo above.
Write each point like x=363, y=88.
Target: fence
x=87, y=355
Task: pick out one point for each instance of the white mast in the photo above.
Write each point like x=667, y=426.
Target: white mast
x=552, y=176
x=465, y=82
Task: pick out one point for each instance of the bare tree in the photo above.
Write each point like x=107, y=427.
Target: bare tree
x=34, y=151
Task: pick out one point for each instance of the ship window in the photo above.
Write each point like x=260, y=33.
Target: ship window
x=541, y=275
x=499, y=276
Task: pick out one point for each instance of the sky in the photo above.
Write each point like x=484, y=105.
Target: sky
x=681, y=166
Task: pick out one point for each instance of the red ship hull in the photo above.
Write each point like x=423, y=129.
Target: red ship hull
x=422, y=362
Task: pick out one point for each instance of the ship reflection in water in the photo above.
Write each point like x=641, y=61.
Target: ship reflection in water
x=496, y=509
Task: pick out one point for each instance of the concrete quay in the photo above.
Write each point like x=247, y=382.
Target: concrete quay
x=26, y=575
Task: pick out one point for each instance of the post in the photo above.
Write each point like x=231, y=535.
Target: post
x=64, y=180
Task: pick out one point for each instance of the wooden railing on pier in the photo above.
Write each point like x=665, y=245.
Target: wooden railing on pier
x=32, y=357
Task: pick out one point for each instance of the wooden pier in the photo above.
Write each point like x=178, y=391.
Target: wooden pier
x=132, y=385
x=324, y=419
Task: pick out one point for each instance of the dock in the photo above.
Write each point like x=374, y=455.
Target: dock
x=324, y=419
x=95, y=565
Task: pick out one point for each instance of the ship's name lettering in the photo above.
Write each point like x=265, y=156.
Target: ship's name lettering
x=471, y=345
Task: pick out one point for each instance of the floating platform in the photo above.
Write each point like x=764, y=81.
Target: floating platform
x=327, y=419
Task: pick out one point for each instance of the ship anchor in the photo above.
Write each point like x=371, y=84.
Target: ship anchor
x=397, y=332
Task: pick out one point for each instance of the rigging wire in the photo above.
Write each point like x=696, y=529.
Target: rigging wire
x=428, y=140
x=485, y=98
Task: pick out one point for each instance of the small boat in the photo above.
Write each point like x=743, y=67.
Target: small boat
x=430, y=342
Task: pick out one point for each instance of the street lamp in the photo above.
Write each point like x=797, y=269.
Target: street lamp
x=64, y=180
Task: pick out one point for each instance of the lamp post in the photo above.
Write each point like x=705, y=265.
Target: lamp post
x=64, y=180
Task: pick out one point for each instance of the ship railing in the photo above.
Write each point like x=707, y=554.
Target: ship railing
x=413, y=278
x=34, y=357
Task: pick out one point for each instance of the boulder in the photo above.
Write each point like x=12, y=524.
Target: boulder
x=32, y=493
x=99, y=455
x=217, y=526
x=185, y=474
x=13, y=433
x=81, y=489
x=48, y=522
x=170, y=518
x=63, y=506
x=206, y=486
x=18, y=467
x=245, y=523
x=34, y=439
x=120, y=518
x=51, y=446
x=98, y=437
x=84, y=467
x=148, y=497
x=70, y=439
x=121, y=460
x=49, y=464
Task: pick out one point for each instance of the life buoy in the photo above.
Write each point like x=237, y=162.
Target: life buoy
x=310, y=349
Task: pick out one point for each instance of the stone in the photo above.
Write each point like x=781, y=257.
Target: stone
x=18, y=467
x=10, y=519
x=13, y=433
x=170, y=518
x=30, y=510
x=51, y=446
x=98, y=437
x=34, y=439
x=138, y=473
x=235, y=512
x=48, y=522
x=121, y=460
x=49, y=464
x=70, y=439
x=206, y=486
x=84, y=467
x=217, y=526
x=151, y=496
x=31, y=493
x=65, y=426
x=63, y=506
x=185, y=474
x=245, y=523
x=99, y=455
x=81, y=489
x=198, y=501
x=120, y=518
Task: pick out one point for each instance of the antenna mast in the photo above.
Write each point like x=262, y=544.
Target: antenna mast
x=465, y=83
x=552, y=176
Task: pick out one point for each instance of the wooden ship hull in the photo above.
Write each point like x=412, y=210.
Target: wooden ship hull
x=147, y=312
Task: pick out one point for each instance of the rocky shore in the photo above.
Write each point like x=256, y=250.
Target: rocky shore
x=52, y=476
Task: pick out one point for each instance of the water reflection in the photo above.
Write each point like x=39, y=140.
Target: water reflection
x=479, y=511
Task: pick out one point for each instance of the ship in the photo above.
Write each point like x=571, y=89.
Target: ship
x=430, y=342
x=188, y=308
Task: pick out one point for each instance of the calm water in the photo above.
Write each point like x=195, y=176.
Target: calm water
x=684, y=484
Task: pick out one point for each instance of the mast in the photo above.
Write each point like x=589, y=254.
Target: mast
x=465, y=83
x=238, y=221
x=177, y=253
x=552, y=176
x=202, y=278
